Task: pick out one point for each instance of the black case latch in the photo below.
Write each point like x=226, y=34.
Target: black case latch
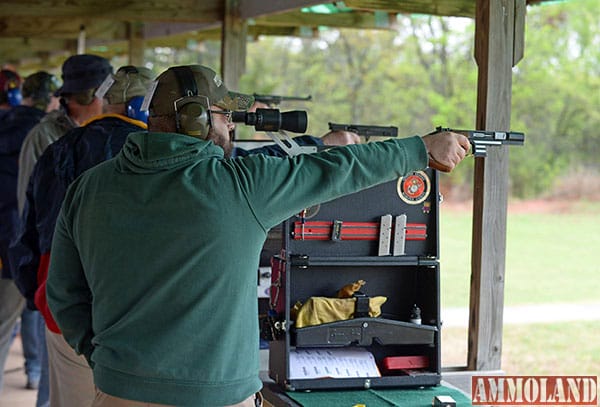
x=361, y=308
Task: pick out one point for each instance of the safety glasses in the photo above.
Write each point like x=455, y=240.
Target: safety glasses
x=227, y=113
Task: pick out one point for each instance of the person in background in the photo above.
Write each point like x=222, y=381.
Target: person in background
x=36, y=99
x=153, y=269
x=97, y=140
x=38, y=93
x=11, y=301
x=81, y=75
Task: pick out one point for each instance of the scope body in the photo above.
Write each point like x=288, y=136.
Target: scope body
x=295, y=121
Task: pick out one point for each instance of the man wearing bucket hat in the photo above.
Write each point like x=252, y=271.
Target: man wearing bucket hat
x=97, y=140
x=153, y=269
x=81, y=75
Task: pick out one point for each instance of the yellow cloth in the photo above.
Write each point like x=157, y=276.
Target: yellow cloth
x=320, y=310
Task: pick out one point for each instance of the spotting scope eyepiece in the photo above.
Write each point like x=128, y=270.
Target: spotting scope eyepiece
x=295, y=121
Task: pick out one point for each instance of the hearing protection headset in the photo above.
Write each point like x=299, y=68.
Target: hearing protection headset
x=133, y=105
x=134, y=109
x=192, y=111
x=11, y=88
x=14, y=96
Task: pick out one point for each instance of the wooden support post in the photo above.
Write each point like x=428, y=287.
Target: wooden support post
x=81, y=38
x=233, y=44
x=498, y=24
x=135, y=37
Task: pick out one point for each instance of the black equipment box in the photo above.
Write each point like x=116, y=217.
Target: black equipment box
x=387, y=236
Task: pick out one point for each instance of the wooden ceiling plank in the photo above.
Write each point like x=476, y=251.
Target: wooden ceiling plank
x=256, y=31
x=298, y=18
x=160, y=29
x=150, y=10
x=38, y=27
x=255, y=8
x=19, y=49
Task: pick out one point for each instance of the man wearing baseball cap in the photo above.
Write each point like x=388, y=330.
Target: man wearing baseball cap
x=226, y=100
x=81, y=75
x=154, y=257
x=81, y=148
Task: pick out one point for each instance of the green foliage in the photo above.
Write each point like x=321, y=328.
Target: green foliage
x=556, y=88
x=207, y=53
x=529, y=177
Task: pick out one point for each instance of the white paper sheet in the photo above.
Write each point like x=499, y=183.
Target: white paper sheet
x=312, y=363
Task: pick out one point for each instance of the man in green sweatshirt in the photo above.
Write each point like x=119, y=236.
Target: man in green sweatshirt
x=153, y=268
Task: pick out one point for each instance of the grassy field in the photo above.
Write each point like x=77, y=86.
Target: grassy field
x=571, y=348
x=551, y=258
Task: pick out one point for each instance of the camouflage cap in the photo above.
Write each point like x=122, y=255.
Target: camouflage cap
x=208, y=83
x=40, y=85
x=129, y=82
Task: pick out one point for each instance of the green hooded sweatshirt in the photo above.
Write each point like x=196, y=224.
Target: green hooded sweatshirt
x=154, y=257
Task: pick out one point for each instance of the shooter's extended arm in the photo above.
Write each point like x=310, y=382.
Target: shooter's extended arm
x=480, y=139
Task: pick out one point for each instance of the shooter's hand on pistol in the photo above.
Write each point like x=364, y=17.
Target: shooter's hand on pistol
x=446, y=149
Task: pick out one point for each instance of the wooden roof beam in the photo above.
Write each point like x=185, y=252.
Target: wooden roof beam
x=255, y=8
x=359, y=20
x=60, y=28
x=25, y=49
x=156, y=10
x=158, y=30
